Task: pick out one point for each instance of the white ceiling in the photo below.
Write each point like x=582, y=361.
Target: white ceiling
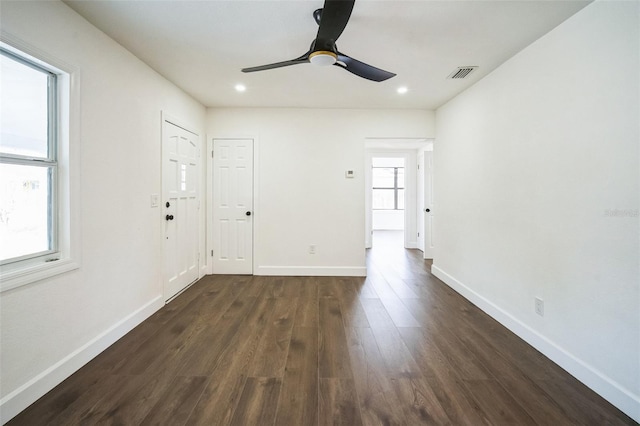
x=202, y=45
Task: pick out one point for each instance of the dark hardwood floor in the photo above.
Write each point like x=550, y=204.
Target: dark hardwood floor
x=396, y=348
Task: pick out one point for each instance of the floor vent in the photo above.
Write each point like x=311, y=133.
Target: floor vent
x=462, y=72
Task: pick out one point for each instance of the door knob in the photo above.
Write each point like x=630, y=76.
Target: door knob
x=427, y=210
x=169, y=217
x=248, y=213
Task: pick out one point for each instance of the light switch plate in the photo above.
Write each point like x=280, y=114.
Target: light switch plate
x=154, y=200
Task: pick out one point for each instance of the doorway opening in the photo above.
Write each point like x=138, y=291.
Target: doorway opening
x=388, y=201
x=399, y=196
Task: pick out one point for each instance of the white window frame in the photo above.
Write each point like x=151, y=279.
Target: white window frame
x=66, y=256
x=50, y=161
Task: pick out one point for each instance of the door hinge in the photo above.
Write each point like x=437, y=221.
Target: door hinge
x=418, y=166
x=211, y=253
x=418, y=234
x=211, y=153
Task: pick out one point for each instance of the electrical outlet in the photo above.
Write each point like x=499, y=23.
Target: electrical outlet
x=539, y=306
x=312, y=249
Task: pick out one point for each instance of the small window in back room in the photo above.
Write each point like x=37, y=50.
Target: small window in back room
x=388, y=184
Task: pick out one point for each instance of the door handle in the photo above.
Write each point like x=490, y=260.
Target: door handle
x=427, y=210
x=248, y=213
x=169, y=217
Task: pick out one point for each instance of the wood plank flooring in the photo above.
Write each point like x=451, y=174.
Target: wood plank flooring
x=396, y=348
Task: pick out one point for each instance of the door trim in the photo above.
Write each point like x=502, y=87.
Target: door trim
x=398, y=147
x=409, y=231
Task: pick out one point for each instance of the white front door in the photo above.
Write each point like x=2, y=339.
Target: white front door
x=233, y=206
x=180, y=204
x=428, y=205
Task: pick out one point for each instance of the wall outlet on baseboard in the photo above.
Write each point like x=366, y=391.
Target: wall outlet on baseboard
x=312, y=249
x=539, y=306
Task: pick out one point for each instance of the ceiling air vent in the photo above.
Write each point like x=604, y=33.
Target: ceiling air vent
x=462, y=72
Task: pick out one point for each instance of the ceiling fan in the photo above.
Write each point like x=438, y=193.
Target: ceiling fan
x=331, y=19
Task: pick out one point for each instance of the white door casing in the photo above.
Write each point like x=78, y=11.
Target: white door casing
x=428, y=205
x=233, y=214
x=410, y=226
x=180, y=205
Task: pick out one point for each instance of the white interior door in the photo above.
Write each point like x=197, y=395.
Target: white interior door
x=180, y=204
x=233, y=206
x=420, y=198
x=428, y=205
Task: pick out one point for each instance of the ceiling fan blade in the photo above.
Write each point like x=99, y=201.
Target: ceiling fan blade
x=361, y=69
x=334, y=18
x=301, y=60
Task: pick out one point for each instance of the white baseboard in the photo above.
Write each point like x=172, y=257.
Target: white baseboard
x=313, y=271
x=27, y=394
x=617, y=395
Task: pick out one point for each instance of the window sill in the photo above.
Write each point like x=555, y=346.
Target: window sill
x=27, y=275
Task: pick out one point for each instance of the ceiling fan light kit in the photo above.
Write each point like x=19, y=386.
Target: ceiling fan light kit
x=323, y=58
x=332, y=20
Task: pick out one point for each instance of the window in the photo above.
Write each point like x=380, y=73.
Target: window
x=35, y=169
x=28, y=160
x=388, y=188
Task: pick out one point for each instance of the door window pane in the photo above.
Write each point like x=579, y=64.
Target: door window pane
x=25, y=204
x=24, y=118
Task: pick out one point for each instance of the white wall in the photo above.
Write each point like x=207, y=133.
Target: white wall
x=68, y=318
x=529, y=164
x=302, y=196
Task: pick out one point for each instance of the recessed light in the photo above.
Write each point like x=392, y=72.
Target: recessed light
x=240, y=87
x=402, y=90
